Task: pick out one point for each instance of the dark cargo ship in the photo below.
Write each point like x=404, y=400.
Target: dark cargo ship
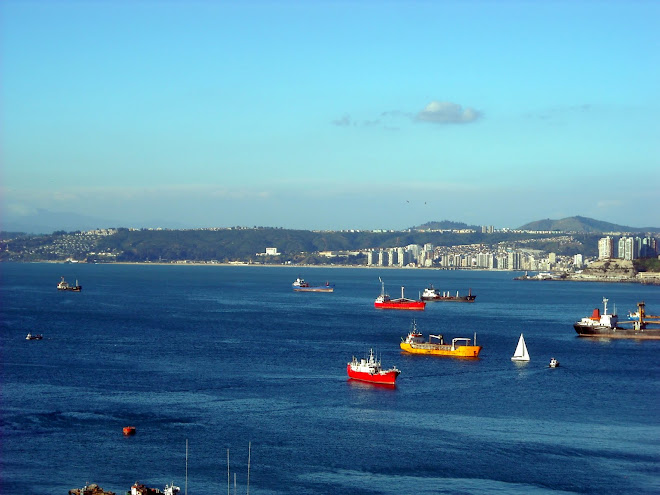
x=607, y=325
x=433, y=294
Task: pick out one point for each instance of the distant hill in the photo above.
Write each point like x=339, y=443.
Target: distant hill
x=444, y=225
x=583, y=224
x=44, y=221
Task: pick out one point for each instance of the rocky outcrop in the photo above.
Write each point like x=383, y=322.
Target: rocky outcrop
x=610, y=270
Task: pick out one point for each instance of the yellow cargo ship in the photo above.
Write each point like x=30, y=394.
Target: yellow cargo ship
x=414, y=343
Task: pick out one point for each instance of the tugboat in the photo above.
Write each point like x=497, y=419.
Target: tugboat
x=129, y=430
x=370, y=370
x=607, y=325
x=460, y=347
x=299, y=285
x=553, y=363
x=64, y=285
x=384, y=301
x=433, y=294
x=37, y=336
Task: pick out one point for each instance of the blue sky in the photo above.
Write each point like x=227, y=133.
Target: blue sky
x=331, y=115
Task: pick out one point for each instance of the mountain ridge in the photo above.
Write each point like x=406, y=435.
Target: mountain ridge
x=582, y=224
x=46, y=222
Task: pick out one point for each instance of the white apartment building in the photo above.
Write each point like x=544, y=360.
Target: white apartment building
x=605, y=248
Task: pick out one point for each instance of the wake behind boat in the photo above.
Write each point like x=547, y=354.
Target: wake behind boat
x=433, y=294
x=299, y=285
x=608, y=325
x=370, y=370
x=384, y=301
x=460, y=346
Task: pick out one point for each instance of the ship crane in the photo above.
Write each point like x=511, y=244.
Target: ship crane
x=645, y=319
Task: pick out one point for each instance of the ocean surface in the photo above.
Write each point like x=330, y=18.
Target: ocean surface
x=227, y=357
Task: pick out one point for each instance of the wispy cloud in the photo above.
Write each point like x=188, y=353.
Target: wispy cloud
x=559, y=112
x=343, y=121
x=436, y=112
x=444, y=112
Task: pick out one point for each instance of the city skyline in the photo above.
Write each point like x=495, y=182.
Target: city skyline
x=360, y=115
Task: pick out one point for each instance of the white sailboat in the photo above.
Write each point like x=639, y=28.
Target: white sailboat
x=521, y=353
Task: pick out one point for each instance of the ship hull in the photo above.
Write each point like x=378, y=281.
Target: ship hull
x=463, y=299
x=441, y=350
x=388, y=378
x=617, y=332
x=314, y=289
x=410, y=305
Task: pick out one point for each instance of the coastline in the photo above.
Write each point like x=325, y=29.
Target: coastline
x=642, y=278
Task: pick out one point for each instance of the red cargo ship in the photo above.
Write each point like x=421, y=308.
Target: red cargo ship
x=383, y=301
x=370, y=370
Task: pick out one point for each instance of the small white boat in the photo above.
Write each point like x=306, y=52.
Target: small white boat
x=521, y=353
x=171, y=490
x=37, y=336
x=553, y=363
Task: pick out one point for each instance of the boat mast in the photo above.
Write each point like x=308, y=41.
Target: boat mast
x=228, y=478
x=186, y=490
x=248, y=473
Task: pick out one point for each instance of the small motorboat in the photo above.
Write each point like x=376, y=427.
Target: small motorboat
x=553, y=363
x=129, y=430
x=37, y=336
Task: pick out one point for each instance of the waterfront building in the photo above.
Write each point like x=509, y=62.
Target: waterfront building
x=628, y=248
x=401, y=256
x=605, y=248
x=514, y=260
x=382, y=258
x=648, y=247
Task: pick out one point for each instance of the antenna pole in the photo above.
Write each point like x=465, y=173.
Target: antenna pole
x=248, y=476
x=186, y=490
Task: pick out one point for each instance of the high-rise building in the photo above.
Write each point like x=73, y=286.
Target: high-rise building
x=578, y=261
x=605, y=248
x=628, y=248
x=649, y=247
x=514, y=261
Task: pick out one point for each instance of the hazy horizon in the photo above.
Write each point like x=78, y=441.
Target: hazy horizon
x=330, y=116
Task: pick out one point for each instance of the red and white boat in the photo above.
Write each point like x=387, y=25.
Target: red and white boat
x=384, y=301
x=370, y=370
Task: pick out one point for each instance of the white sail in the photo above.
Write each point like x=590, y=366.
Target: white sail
x=521, y=353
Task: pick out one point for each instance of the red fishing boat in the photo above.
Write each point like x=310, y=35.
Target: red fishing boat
x=383, y=301
x=370, y=370
x=129, y=430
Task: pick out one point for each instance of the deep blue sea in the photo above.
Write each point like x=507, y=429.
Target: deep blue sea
x=224, y=356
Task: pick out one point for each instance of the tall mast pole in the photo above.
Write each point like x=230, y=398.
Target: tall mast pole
x=186, y=489
x=248, y=475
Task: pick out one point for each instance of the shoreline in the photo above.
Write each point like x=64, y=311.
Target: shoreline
x=642, y=278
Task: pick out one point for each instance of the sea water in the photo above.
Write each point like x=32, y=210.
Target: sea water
x=223, y=358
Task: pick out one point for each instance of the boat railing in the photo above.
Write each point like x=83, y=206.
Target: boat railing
x=459, y=342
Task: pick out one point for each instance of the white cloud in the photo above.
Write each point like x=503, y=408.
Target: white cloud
x=444, y=112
